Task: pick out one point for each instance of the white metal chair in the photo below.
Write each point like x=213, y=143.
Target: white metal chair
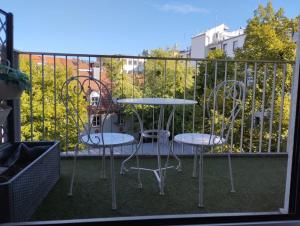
x=231, y=92
x=83, y=86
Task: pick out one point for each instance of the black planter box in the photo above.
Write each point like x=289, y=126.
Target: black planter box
x=21, y=195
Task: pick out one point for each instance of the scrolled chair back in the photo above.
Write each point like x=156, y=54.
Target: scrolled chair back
x=87, y=87
x=226, y=99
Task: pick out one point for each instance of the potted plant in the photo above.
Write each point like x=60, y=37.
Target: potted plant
x=12, y=83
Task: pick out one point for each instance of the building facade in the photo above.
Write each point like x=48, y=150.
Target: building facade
x=217, y=38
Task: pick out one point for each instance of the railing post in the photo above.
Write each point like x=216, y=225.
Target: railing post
x=13, y=120
x=293, y=145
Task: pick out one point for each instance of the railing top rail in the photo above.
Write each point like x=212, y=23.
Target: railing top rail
x=3, y=12
x=152, y=58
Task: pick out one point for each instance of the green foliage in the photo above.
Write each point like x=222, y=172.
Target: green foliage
x=43, y=88
x=167, y=78
x=216, y=54
x=269, y=36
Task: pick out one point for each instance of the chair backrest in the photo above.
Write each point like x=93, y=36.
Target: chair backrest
x=91, y=94
x=225, y=101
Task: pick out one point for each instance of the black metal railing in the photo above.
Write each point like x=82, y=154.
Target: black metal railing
x=261, y=127
x=9, y=128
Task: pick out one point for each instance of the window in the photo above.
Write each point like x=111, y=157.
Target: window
x=234, y=45
x=225, y=48
x=135, y=62
x=212, y=48
x=130, y=62
x=96, y=120
x=95, y=101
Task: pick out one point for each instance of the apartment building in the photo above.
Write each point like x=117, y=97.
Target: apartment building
x=218, y=37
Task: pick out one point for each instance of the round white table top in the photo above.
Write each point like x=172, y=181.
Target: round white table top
x=199, y=139
x=110, y=139
x=156, y=101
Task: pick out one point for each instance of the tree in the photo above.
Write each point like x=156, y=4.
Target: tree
x=269, y=37
x=44, y=121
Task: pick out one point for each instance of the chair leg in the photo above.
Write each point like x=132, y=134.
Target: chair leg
x=200, y=176
x=103, y=171
x=195, y=163
x=140, y=185
x=123, y=168
x=161, y=175
x=167, y=160
x=73, y=171
x=113, y=180
x=171, y=149
x=230, y=173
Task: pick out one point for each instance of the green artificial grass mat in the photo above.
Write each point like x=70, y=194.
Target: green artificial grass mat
x=259, y=184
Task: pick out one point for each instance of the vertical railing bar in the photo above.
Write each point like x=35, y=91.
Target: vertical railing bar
x=122, y=84
x=163, y=93
x=77, y=97
x=253, y=106
x=263, y=109
x=132, y=119
x=233, y=106
x=281, y=108
x=43, y=96
x=194, y=93
x=224, y=102
x=100, y=91
x=183, y=107
x=90, y=111
x=67, y=104
x=214, y=103
x=111, y=90
x=31, y=107
x=100, y=94
x=272, y=108
x=243, y=109
x=204, y=98
x=55, y=97
x=122, y=96
x=133, y=74
x=153, y=112
x=174, y=96
x=143, y=95
x=165, y=79
x=89, y=74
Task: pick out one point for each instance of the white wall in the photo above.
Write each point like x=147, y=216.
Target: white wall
x=198, y=46
x=216, y=37
x=137, y=65
x=229, y=44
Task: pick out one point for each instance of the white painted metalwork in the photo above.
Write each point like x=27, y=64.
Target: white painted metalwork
x=234, y=91
x=160, y=134
x=84, y=85
x=291, y=137
x=263, y=110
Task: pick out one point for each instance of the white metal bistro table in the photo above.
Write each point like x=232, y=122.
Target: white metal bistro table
x=158, y=133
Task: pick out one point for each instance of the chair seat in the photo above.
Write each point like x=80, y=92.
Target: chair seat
x=110, y=139
x=200, y=139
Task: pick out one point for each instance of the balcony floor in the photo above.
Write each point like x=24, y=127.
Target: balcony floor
x=259, y=183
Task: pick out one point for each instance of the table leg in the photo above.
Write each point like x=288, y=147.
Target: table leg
x=103, y=173
x=161, y=175
x=113, y=180
x=139, y=170
x=138, y=146
x=200, y=203
x=195, y=163
x=171, y=146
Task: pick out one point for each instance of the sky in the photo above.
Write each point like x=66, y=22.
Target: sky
x=124, y=26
